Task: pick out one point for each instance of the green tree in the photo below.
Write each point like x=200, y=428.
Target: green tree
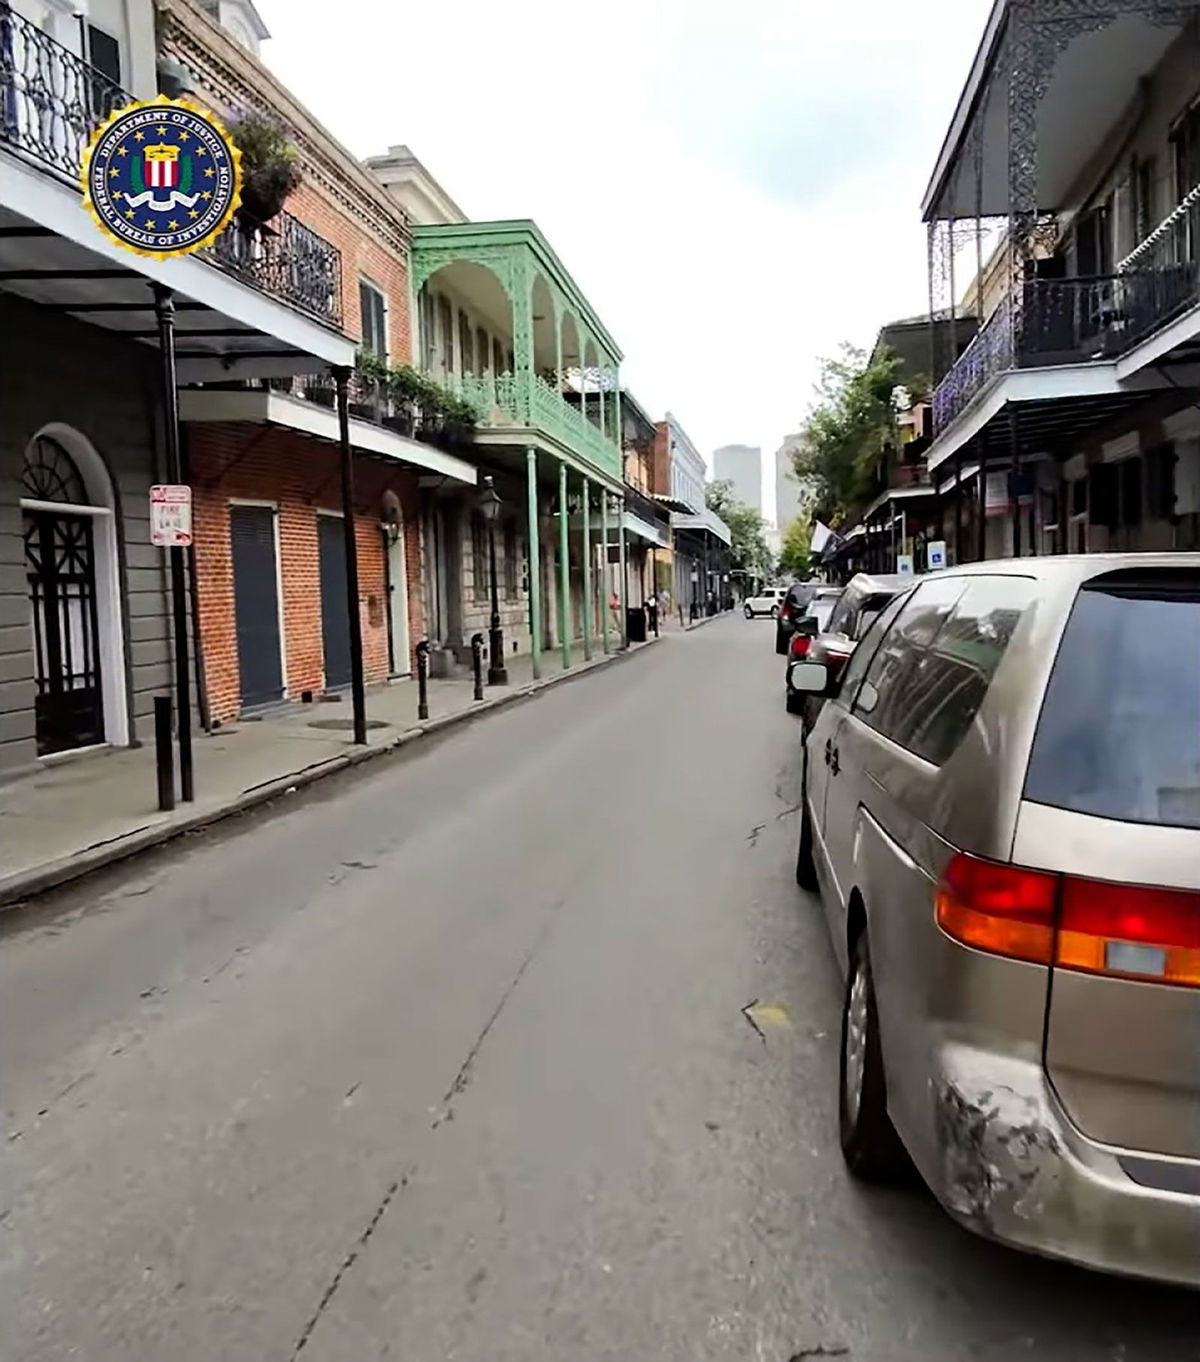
x=793, y=558
x=850, y=434
x=746, y=527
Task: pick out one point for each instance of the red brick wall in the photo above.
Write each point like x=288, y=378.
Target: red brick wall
x=362, y=255
x=302, y=477
x=660, y=472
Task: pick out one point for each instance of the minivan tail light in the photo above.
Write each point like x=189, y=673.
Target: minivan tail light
x=800, y=645
x=998, y=908
x=1132, y=930
x=1088, y=926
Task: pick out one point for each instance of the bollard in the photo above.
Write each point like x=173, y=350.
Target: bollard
x=652, y=616
x=164, y=753
x=423, y=679
x=477, y=663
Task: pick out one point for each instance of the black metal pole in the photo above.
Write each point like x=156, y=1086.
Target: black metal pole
x=164, y=753
x=497, y=671
x=981, y=509
x=477, y=664
x=341, y=378
x=1014, y=496
x=164, y=313
x=958, y=496
x=423, y=679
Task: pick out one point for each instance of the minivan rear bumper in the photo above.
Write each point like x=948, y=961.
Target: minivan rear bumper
x=1014, y=1168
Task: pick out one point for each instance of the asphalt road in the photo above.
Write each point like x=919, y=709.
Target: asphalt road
x=447, y=1059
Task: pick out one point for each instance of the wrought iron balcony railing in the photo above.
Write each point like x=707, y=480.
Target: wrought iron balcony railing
x=1162, y=276
x=50, y=98
x=51, y=101
x=1070, y=321
x=1044, y=322
x=507, y=399
x=287, y=259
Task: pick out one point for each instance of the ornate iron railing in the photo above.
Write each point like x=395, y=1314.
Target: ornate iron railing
x=1071, y=321
x=287, y=259
x=1161, y=277
x=989, y=353
x=1044, y=322
x=509, y=400
x=51, y=101
x=50, y=98
x=557, y=417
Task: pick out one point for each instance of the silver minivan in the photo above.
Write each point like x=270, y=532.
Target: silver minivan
x=1001, y=812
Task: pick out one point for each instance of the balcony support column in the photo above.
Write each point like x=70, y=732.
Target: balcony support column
x=620, y=510
x=958, y=496
x=604, y=573
x=341, y=378
x=587, y=570
x=1014, y=478
x=981, y=510
x=564, y=567
x=535, y=565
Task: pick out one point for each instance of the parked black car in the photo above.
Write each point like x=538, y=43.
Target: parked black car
x=792, y=610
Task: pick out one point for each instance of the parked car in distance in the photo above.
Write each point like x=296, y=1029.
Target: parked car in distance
x=766, y=604
x=792, y=611
x=1001, y=810
x=807, y=630
x=864, y=597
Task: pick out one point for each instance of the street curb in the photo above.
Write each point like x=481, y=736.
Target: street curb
x=24, y=884
x=708, y=619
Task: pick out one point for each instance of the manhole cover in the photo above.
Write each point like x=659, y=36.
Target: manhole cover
x=344, y=724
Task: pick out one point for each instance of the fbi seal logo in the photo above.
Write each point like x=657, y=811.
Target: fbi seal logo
x=161, y=178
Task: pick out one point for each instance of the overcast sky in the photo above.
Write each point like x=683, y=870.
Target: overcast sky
x=735, y=184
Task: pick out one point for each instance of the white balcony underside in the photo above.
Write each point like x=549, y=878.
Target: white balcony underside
x=1022, y=386
x=272, y=331
x=263, y=407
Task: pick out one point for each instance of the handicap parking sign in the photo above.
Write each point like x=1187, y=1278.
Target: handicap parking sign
x=935, y=554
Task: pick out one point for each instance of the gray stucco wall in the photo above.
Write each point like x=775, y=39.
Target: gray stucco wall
x=56, y=369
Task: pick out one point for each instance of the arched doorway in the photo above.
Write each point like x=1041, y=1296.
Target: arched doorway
x=67, y=509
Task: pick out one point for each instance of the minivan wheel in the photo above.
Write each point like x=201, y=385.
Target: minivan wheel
x=781, y=643
x=749, y=614
x=774, y=612
x=870, y=1145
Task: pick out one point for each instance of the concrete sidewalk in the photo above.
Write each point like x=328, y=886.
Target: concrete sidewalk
x=76, y=816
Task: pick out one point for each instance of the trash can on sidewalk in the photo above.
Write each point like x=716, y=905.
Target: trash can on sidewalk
x=635, y=623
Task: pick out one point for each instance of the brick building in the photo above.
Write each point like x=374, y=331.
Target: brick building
x=273, y=608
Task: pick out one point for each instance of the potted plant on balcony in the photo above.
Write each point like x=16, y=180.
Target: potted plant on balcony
x=371, y=387
x=409, y=391
x=458, y=423
x=270, y=168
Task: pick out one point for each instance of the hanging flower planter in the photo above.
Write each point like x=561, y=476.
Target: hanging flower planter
x=270, y=169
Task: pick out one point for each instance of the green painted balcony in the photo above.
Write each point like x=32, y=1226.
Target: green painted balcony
x=501, y=322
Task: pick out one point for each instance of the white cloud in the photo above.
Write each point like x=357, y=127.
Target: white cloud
x=735, y=187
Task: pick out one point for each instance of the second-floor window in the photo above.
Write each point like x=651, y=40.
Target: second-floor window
x=373, y=309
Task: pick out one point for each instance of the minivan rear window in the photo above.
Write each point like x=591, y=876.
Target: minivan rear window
x=1119, y=732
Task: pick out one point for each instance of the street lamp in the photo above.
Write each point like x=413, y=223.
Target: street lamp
x=489, y=505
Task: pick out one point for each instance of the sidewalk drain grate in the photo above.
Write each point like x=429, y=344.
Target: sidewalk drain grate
x=347, y=724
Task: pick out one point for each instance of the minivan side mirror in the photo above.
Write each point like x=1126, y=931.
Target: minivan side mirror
x=813, y=678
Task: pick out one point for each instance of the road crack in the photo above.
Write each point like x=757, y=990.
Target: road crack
x=349, y=1260
x=462, y=1079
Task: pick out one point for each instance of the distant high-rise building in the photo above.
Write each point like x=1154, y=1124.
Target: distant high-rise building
x=791, y=495
x=742, y=466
